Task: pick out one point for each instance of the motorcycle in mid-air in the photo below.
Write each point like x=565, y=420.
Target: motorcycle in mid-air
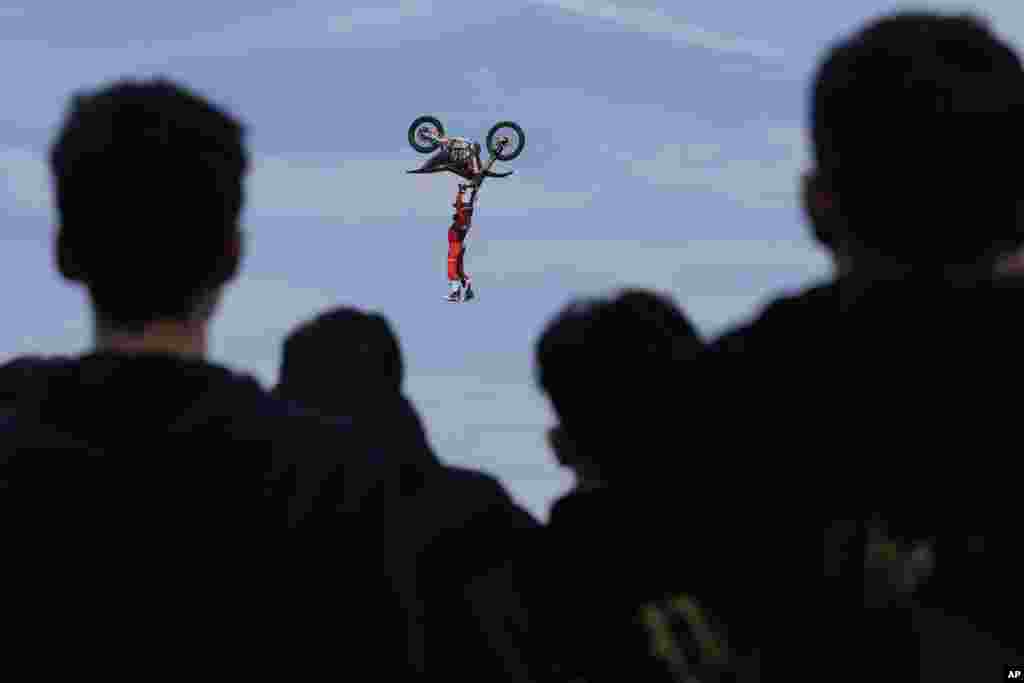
x=461, y=156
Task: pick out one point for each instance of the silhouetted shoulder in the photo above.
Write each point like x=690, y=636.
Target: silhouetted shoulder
x=483, y=489
x=17, y=375
x=455, y=502
x=776, y=321
x=459, y=525
x=203, y=429
x=879, y=316
x=952, y=648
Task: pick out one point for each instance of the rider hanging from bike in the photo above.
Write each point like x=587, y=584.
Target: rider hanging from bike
x=458, y=281
x=461, y=156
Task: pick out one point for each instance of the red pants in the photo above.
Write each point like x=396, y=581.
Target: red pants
x=456, y=255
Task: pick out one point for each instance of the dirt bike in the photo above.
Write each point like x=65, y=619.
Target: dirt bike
x=458, y=155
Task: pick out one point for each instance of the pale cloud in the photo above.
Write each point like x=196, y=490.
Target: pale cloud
x=43, y=314
x=488, y=95
x=521, y=198
x=718, y=282
x=257, y=313
x=246, y=334
x=350, y=191
x=752, y=182
x=309, y=25
x=646, y=262
x=321, y=25
x=380, y=16
x=26, y=180
x=630, y=255
x=362, y=189
x=71, y=337
x=703, y=151
x=769, y=180
x=659, y=23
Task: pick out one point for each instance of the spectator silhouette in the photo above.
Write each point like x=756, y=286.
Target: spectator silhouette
x=17, y=375
x=893, y=365
x=346, y=362
x=622, y=581
x=450, y=523
x=177, y=473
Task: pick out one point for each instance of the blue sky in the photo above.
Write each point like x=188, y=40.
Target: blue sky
x=664, y=147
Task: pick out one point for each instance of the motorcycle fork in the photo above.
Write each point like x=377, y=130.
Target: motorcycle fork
x=483, y=175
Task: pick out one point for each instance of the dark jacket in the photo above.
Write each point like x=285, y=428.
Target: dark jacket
x=151, y=492
x=896, y=398
x=465, y=525
x=619, y=586
x=447, y=525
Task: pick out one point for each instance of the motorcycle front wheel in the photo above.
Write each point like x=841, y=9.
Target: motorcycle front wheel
x=516, y=144
x=422, y=124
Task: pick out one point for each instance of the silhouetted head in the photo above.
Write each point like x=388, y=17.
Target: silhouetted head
x=610, y=366
x=148, y=181
x=915, y=124
x=341, y=356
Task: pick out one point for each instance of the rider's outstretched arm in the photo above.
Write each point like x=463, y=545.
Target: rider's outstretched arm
x=475, y=165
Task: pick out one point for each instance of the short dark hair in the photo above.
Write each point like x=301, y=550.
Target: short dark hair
x=609, y=368
x=341, y=351
x=148, y=181
x=914, y=119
